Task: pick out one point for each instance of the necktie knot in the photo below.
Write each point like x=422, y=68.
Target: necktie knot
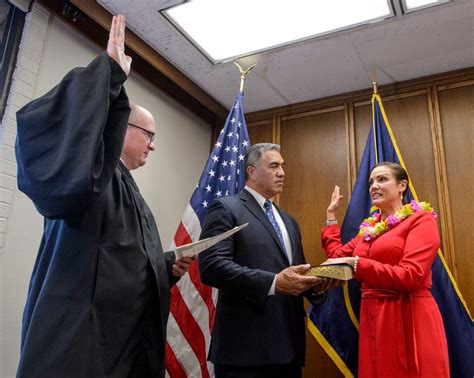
x=267, y=205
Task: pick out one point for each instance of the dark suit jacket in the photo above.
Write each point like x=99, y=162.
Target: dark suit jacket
x=251, y=328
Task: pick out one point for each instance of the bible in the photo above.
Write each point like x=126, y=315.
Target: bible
x=338, y=271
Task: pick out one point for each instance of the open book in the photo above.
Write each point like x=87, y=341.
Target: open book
x=339, y=271
x=193, y=249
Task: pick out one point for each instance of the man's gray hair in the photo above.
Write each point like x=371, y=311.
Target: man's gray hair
x=255, y=153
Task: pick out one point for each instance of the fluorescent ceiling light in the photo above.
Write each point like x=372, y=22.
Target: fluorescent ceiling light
x=226, y=29
x=410, y=5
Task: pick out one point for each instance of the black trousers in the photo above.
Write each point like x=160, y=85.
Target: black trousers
x=290, y=370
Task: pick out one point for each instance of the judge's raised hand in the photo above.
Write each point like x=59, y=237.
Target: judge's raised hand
x=336, y=199
x=181, y=266
x=116, y=44
x=292, y=281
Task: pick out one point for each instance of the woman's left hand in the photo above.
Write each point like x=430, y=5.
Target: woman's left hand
x=340, y=260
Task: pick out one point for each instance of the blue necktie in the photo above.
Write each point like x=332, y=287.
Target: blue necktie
x=271, y=217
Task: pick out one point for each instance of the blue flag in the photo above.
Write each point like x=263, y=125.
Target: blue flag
x=335, y=324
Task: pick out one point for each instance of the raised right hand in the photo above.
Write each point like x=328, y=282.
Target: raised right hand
x=292, y=281
x=336, y=199
x=116, y=44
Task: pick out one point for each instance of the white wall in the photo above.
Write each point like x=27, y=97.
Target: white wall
x=166, y=182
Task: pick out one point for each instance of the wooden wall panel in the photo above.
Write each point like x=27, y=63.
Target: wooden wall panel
x=457, y=124
x=315, y=160
x=260, y=132
x=362, y=123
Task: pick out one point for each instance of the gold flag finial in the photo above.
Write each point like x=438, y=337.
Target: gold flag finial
x=243, y=74
x=374, y=78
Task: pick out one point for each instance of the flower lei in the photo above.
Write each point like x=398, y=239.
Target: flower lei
x=372, y=227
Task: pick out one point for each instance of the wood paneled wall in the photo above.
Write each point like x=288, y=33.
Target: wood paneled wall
x=322, y=143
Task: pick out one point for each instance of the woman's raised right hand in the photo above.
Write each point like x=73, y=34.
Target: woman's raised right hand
x=336, y=199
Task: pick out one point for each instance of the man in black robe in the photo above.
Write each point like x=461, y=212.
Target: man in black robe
x=98, y=299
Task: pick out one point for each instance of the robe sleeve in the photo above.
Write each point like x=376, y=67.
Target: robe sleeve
x=332, y=245
x=420, y=250
x=69, y=141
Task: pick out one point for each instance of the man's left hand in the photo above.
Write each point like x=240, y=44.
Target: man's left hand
x=181, y=266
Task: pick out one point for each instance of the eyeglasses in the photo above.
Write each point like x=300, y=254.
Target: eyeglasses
x=150, y=135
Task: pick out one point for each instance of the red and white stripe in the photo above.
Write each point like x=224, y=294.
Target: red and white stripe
x=192, y=311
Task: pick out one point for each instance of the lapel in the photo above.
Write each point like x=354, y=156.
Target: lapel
x=252, y=205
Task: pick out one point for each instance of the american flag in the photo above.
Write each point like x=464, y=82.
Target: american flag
x=193, y=303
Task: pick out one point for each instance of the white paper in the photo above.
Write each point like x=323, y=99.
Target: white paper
x=193, y=249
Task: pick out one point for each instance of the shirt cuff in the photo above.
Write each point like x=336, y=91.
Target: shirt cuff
x=272, y=288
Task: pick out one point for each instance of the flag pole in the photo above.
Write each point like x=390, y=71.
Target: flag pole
x=374, y=98
x=243, y=74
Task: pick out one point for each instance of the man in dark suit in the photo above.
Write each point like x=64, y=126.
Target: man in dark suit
x=259, y=327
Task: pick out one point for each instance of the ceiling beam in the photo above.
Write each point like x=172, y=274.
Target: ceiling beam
x=94, y=21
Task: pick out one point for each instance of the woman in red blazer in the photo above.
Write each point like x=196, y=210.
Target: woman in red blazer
x=401, y=329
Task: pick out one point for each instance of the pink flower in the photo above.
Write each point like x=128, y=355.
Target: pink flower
x=367, y=236
x=414, y=206
x=392, y=221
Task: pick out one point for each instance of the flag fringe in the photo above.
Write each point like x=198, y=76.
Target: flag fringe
x=350, y=311
x=329, y=350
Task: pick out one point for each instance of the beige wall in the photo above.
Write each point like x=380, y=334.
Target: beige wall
x=166, y=182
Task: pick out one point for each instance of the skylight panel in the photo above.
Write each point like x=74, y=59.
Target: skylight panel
x=226, y=29
x=411, y=5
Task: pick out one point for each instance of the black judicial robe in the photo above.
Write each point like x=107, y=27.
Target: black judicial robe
x=101, y=280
